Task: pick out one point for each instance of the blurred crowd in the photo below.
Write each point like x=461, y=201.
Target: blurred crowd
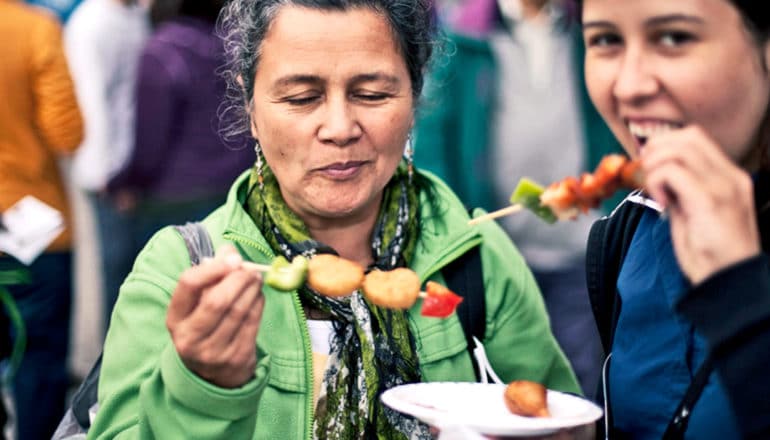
x=125, y=97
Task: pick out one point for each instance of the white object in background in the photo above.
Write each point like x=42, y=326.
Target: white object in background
x=29, y=227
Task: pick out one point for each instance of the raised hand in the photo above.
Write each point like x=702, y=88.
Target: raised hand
x=214, y=317
x=709, y=199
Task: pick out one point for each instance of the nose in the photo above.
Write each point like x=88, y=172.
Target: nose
x=340, y=125
x=635, y=82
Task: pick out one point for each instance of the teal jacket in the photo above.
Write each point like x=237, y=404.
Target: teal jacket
x=145, y=391
x=453, y=132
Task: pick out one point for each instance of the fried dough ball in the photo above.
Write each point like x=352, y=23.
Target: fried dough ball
x=526, y=398
x=393, y=289
x=331, y=275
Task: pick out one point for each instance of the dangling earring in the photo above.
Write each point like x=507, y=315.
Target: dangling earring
x=259, y=164
x=409, y=156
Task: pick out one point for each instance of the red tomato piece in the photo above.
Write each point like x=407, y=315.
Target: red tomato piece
x=440, y=302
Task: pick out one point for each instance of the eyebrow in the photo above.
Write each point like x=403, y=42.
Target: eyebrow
x=290, y=80
x=654, y=21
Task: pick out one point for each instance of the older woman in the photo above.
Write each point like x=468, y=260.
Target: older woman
x=329, y=89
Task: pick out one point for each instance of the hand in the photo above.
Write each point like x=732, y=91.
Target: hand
x=708, y=197
x=214, y=318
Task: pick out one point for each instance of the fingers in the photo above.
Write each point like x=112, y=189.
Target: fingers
x=214, y=317
x=245, y=292
x=191, y=285
x=689, y=150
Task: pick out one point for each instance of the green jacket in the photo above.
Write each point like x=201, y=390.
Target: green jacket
x=453, y=132
x=146, y=392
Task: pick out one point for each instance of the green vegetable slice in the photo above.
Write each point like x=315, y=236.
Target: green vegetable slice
x=527, y=193
x=287, y=276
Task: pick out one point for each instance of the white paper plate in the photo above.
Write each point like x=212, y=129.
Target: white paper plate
x=480, y=407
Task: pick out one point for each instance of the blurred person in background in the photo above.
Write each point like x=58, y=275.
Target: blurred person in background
x=39, y=121
x=180, y=168
x=104, y=39
x=62, y=8
x=508, y=101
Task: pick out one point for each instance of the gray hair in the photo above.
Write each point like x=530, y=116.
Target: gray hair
x=243, y=25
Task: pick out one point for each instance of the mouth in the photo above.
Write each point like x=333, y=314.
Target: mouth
x=642, y=131
x=341, y=170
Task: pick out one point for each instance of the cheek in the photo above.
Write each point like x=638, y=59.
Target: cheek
x=730, y=107
x=598, y=78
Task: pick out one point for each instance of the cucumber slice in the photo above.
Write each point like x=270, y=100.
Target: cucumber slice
x=527, y=193
x=287, y=276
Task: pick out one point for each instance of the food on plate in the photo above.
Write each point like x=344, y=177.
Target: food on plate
x=286, y=276
x=334, y=276
x=567, y=198
x=525, y=398
x=393, y=289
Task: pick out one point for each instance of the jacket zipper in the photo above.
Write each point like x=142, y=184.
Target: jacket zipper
x=305, y=336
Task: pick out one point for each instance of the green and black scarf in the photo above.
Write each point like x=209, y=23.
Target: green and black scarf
x=372, y=349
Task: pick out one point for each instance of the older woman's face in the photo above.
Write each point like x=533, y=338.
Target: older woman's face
x=332, y=109
x=658, y=64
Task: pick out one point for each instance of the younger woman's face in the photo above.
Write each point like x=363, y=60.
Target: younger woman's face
x=654, y=65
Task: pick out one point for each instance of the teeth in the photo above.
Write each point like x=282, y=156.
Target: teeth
x=648, y=130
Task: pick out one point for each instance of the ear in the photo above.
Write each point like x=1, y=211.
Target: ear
x=253, y=126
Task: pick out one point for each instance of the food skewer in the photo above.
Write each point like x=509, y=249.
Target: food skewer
x=566, y=199
x=496, y=214
x=334, y=276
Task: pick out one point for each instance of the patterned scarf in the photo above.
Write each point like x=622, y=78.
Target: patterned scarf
x=372, y=349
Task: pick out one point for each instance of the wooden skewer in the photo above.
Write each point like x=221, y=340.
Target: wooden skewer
x=255, y=266
x=248, y=265
x=496, y=214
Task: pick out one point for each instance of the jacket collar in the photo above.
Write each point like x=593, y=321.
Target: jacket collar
x=444, y=230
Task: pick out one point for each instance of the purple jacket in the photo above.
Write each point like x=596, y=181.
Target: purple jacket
x=179, y=153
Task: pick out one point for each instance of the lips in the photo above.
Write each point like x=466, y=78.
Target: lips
x=341, y=170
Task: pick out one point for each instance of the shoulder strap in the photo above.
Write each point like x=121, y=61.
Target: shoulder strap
x=464, y=276
x=197, y=240
x=199, y=246
x=678, y=424
x=608, y=243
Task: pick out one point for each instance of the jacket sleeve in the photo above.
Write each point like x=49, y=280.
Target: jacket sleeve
x=518, y=340
x=731, y=310
x=145, y=391
x=57, y=114
x=155, y=110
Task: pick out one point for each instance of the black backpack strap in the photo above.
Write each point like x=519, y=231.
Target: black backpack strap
x=199, y=245
x=85, y=397
x=678, y=424
x=465, y=277
x=608, y=243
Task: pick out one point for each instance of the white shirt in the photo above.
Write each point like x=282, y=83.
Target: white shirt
x=103, y=40
x=537, y=130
